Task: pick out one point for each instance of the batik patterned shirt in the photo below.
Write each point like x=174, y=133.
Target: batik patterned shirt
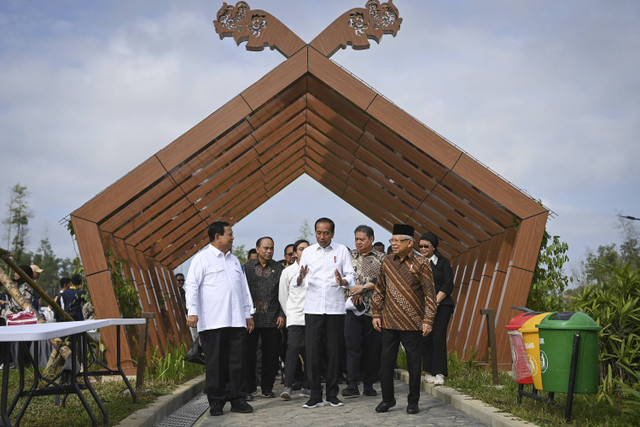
x=264, y=283
x=366, y=268
x=404, y=298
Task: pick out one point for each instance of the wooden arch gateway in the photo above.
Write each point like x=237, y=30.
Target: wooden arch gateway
x=310, y=116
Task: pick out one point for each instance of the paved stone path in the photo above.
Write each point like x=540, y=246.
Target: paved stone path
x=358, y=411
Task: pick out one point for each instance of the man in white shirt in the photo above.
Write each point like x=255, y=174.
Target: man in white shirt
x=328, y=270
x=220, y=306
x=292, y=302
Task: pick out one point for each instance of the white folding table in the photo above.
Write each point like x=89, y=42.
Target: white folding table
x=76, y=331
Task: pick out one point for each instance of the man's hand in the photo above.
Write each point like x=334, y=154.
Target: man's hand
x=192, y=321
x=280, y=322
x=426, y=329
x=339, y=280
x=303, y=273
x=377, y=324
x=356, y=290
x=250, y=324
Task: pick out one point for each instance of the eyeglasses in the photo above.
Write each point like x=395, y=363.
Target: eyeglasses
x=289, y=254
x=180, y=280
x=392, y=241
x=424, y=246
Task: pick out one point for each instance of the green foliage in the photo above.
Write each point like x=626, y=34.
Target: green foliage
x=17, y=222
x=241, y=253
x=616, y=308
x=172, y=367
x=549, y=280
x=126, y=293
x=631, y=396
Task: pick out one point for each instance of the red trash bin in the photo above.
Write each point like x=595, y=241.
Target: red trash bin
x=520, y=363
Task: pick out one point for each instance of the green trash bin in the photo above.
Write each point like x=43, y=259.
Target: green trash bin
x=556, y=348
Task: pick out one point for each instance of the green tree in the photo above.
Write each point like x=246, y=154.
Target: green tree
x=241, y=253
x=304, y=232
x=17, y=222
x=549, y=280
x=46, y=259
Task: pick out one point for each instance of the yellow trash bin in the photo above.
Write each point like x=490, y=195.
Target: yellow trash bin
x=531, y=339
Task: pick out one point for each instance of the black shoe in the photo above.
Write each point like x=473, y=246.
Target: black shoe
x=334, y=401
x=296, y=386
x=412, y=408
x=269, y=395
x=351, y=391
x=385, y=406
x=242, y=407
x=313, y=403
x=370, y=391
x=216, y=409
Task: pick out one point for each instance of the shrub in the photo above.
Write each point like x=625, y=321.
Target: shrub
x=615, y=307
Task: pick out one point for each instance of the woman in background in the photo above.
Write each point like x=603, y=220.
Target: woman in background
x=435, y=344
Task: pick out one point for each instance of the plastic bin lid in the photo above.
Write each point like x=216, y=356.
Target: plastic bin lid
x=517, y=321
x=569, y=320
x=531, y=324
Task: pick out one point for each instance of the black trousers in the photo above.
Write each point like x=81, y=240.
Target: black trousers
x=224, y=363
x=323, y=334
x=270, y=349
x=412, y=343
x=361, y=339
x=435, y=344
x=295, y=342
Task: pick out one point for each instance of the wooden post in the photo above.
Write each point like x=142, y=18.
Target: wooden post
x=142, y=350
x=491, y=330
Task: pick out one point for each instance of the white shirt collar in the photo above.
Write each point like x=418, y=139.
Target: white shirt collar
x=434, y=259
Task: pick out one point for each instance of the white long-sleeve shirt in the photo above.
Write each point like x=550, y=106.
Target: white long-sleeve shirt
x=324, y=295
x=292, y=297
x=216, y=290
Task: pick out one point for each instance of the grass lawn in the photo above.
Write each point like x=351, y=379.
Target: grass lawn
x=164, y=376
x=475, y=381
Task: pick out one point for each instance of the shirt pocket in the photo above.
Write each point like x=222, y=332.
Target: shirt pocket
x=214, y=276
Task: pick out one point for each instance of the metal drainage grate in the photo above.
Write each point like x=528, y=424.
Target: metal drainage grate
x=187, y=414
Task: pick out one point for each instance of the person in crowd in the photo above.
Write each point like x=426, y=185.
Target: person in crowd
x=65, y=282
x=252, y=254
x=45, y=311
x=379, y=246
x=73, y=298
x=180, y=282
x=327, y=266
x=292, y=302
x=219, y=305
x=4, y=306
x=289, y=254
x=403, y=310
x=35, y=302
x=25, y=289
x=435, y=344
x=263, y=277
x=360, y=337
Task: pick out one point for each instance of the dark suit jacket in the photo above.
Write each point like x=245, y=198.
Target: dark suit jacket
x=443, y=278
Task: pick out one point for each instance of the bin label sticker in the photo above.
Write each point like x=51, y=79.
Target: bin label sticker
x=533, y=365
x=529, y=345
x=544, y=361
x=541, y=341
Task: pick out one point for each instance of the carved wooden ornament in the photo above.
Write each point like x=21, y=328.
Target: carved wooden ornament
x=353, y=28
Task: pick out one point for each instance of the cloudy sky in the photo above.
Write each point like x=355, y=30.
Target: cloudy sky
x=545, y=93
